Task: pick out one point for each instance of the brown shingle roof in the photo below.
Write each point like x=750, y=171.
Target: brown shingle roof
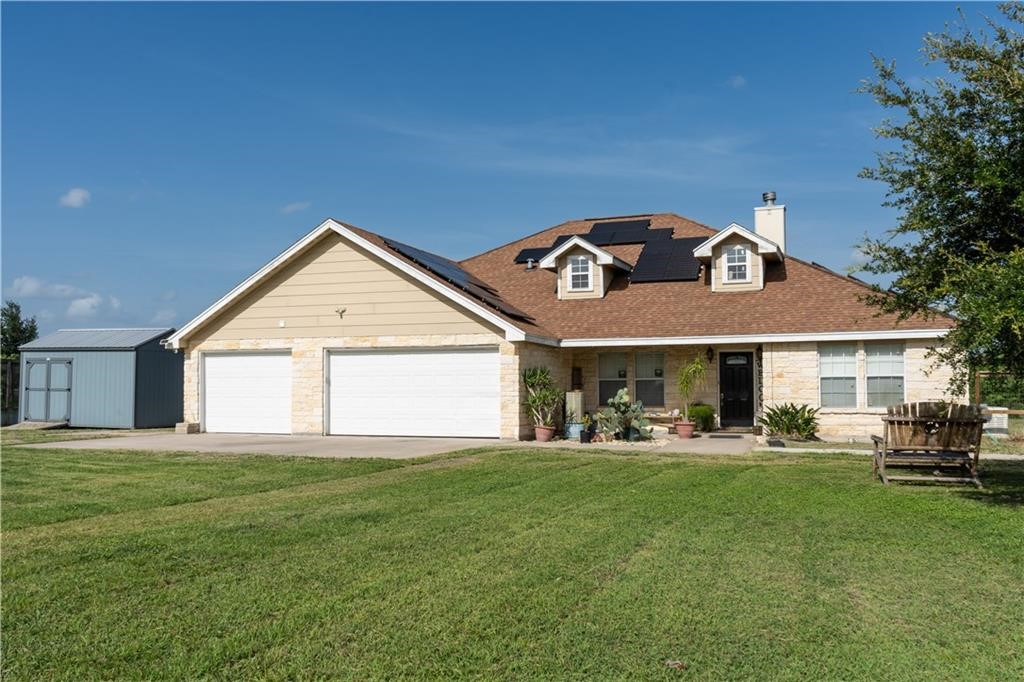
x=798, y=297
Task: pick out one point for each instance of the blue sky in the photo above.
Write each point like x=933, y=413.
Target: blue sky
x=155, y=155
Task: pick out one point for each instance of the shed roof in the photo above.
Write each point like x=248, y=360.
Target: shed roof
x=97, y=339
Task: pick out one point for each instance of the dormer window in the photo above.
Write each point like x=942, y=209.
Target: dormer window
x=580, y=276
x=737, y=263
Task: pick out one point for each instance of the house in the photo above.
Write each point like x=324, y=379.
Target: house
x=349, y=332
x=103, y=378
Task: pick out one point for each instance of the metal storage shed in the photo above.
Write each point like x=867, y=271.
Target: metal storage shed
x=110, y=378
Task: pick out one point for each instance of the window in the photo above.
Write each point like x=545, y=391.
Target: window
x=885, y=374
x=737, y=264
x=650, y=381
x=837, y=367
x=579, y=273
x=611, y=375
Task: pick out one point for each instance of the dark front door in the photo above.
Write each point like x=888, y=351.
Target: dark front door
x=736, y=379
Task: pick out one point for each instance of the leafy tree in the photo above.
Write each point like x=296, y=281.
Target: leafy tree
x=14, y=330
x=955, y=173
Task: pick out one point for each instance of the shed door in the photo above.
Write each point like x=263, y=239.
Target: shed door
x=247, y=393
x=48, y=390
x=449, y=392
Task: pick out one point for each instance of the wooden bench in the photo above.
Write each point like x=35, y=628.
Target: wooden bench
x=943, y=437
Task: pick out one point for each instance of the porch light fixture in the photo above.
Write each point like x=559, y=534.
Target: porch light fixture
x=710, y=353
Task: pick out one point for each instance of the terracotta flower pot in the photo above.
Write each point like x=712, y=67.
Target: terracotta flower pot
x=543, y=433
x=684, y=429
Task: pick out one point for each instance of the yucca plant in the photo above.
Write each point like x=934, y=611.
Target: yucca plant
x=790, y=419
x=542, y=398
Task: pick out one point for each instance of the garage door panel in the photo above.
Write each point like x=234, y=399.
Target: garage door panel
x=415, y=393
x=247, y=393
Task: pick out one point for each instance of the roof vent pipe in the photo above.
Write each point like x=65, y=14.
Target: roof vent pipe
x=529, y=264
x=768, y=198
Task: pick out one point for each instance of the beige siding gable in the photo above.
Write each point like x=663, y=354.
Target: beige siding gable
x=303, y=298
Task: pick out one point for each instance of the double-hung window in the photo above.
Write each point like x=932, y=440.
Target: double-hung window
x=885, y=374
x=737, y=264
x=650, y=379
x=837, y=367
x=579, y=273
x=611, y=375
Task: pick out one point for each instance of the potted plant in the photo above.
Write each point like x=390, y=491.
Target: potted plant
x=587, y=431
x=573, y=427
x=542, y=401
x=690, y=378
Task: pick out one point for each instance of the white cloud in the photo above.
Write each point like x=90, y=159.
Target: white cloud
x=33, y=287
x=83, y=303
x=164, y=316
x=736, y=82
x=295, y=207
x=85, y=307
x=76, y=197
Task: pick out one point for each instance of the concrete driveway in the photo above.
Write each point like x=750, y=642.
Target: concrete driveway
x=306, y=446
x=387, y=447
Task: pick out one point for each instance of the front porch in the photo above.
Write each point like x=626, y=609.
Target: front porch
x=732, y=386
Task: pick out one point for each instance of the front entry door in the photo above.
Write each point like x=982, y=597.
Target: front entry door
x=736, y=378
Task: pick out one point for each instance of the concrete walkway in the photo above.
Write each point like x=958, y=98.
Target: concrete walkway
x=383, y=447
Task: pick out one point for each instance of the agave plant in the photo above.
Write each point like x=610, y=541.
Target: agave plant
x=790, y=419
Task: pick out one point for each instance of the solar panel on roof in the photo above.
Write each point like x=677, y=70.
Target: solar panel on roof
x=452, y=272
x=616, y=225
x=532, y=254
x=667, y=261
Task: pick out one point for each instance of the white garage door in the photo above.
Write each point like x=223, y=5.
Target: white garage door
x=247, y=393
x=415, y=393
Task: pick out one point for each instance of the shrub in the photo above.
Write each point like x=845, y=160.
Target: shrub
x=790, y=419
x=621, y=415
x=703, y=416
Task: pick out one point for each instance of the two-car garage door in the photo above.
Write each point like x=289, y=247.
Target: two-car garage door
x=436, y=392
x=415, y=393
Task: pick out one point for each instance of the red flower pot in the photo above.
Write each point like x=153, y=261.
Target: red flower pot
x=543, y=433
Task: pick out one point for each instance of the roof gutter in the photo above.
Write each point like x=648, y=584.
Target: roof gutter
x=885, y=335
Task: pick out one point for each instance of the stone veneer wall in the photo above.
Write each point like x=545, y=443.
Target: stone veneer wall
x=790, y=375
x=308, y=371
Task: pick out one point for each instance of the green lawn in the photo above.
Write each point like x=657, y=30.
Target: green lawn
x=515, y=563
x=12, y=436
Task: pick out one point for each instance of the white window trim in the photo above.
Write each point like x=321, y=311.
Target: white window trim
x=868, y=376
x=725, y=265
x=590, y=272
x=858, y=349
x=600, y=378
x=637, y=378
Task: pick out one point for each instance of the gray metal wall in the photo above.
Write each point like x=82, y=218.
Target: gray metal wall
x=159, y=386
x=102, y=386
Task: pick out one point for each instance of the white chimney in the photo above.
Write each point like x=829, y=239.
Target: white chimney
x=770, y=220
